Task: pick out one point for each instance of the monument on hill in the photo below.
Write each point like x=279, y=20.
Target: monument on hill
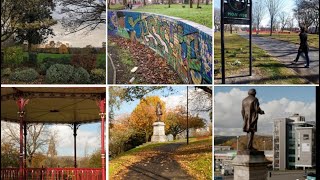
x=250, y=164
x=158, y=127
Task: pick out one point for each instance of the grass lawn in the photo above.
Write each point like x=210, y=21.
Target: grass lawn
x=313, y=39
x=268, y=68
x=202, y=16
x=120, y=163
x=116, y=7
x=196, y=157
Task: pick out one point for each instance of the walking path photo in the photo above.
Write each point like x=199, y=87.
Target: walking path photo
x=286, y=52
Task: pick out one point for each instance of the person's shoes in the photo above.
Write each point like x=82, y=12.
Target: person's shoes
x=294, y=62
x=306, y=65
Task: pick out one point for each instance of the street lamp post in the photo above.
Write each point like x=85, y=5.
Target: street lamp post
x=237, y=143
x=187, y=117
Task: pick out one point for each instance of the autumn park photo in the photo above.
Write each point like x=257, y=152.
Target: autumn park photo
x=53, y=42
x=159, y=42
x=266, y=42
x=160, y=132
x=53, y=133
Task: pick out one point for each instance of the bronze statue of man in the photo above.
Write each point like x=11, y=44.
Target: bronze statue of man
x=250, y=111
x=158, y=112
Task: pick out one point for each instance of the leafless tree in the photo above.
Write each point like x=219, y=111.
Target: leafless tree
x=284, y=20
x=82, y=14
x=307, y=13
x=258, y=14
x=216, y=18
x=291, y=23
x=38, y=137
x=273, y=7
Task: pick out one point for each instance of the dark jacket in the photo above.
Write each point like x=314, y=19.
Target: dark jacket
x=303, y=41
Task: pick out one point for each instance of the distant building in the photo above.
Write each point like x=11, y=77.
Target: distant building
x=288, y=134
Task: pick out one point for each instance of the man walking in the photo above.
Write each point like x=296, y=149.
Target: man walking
x=303, y=47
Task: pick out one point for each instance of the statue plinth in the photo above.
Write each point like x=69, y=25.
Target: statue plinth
x=250, y=165
x=158, y=132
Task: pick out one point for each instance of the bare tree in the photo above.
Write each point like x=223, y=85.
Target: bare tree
x=82, y=14
x=284, y=20
x=38, y=137
x=307, y=13
x=216, y=18
x=291, y=23
x=273, y=7
x=258, y=14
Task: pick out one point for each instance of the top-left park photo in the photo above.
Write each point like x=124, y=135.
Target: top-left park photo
x=53, y=42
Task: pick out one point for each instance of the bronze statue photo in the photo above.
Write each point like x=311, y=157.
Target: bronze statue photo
x=250, y=112
x=158, y=112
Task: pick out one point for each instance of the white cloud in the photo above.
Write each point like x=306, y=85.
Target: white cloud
x=228, y=119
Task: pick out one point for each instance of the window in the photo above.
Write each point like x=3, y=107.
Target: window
x=306, y=137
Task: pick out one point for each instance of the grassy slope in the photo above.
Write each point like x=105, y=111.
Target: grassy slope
x=202, y=16
x=196, y=158
x=237, y=48
x=313, y=39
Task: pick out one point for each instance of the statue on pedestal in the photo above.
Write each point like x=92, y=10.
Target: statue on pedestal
x=250, y=111
x=158, y=112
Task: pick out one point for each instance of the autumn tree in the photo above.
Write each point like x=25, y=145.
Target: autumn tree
x=143, y=116
x=177, y=121
x=9, y=154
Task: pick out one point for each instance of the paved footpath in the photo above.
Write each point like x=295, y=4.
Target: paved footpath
x=285, y=52
x=159, y=167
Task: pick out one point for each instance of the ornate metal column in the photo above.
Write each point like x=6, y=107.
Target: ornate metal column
x=75, y=128
x=25, y=144
x=102, y=106
x=21, y=102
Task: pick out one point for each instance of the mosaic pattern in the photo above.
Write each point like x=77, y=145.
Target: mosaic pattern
x=186, y=48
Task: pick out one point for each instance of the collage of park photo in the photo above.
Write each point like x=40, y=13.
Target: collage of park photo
x=124, y=90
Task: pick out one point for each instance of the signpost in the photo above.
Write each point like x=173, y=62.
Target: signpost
x=235, y=12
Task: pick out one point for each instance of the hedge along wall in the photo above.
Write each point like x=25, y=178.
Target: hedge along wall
x=187, y=46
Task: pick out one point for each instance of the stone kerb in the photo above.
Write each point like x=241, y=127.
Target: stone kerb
x=187, y=46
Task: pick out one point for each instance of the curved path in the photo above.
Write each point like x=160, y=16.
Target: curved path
x=285, y=52
x=159, y=167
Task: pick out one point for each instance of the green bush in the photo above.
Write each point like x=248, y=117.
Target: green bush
x=98, y=76
x=59, y=74
x=26, y=75
x=48, y=62
x=13, y=56
x=6, y=72
x=101, y=61
x=32, y=60
x=80, y=76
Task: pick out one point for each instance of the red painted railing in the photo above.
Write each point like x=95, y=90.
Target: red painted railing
x=53, y=173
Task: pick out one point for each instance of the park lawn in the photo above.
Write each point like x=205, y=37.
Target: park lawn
x=270, y=70
x=117, y=7
x=126, y=159
x=313, y=39
x=202, y=16
x=196, y=158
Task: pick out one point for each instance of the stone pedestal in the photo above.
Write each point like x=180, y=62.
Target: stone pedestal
x=250, y=165
x=158, y=132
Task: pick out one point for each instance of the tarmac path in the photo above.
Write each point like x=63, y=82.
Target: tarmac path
x=286, y=52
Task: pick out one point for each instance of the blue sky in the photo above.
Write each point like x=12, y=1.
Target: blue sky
x=277, y=102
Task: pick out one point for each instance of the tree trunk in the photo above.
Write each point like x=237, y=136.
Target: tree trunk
x=207, y=2
x=271, y=27
x=191, y=1
x=230, y=28
x=109, y=4
x=144, y=2
x=198, y=4
x=174, y=136
x=147, y=136
x=169, y=3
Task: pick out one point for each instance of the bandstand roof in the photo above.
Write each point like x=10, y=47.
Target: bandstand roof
x=52, y=105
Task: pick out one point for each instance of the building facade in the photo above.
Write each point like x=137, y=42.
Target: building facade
x=287, y=143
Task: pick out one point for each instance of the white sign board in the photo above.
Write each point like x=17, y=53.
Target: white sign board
x=305, y=147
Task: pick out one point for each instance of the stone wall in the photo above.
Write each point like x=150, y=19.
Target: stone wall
x=186, y=46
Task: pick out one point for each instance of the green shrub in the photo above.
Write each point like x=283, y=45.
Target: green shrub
x=6, y=72
x=98, y=76
x=48, y=62
x=87, y=61
x=32, y=60
x=101, y=61
x=80, y=76
x=59, y=74
x=13, y=56
x=26, y=75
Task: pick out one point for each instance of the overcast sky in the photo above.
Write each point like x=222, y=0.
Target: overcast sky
x=277, y=102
